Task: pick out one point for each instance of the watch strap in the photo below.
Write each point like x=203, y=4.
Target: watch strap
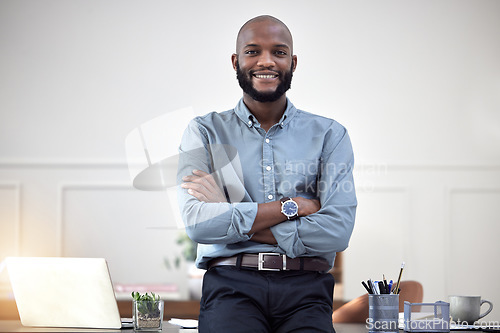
x=284, y=199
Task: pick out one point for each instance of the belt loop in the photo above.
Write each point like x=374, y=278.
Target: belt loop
x=239, y=258
x=301, y=263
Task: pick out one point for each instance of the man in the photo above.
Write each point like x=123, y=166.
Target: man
x=266, y=186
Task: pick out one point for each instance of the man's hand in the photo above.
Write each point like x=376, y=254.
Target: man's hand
x=203, y=187
x=307, y=206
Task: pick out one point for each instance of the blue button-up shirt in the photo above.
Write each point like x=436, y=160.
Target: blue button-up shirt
x=302, y=155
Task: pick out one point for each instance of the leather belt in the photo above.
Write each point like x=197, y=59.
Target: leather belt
x=273, y=262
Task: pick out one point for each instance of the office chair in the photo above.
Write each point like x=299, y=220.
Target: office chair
x=356, y=311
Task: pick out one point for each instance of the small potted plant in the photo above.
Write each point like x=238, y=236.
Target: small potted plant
x=147, y=312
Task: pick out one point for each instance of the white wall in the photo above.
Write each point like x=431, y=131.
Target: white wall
x=417, y=83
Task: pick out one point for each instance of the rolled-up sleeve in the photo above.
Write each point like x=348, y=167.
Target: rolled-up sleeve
x=327, y=231
x=209, y=223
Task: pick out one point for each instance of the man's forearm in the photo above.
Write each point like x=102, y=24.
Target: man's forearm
x=269, y=214
x=265, y=237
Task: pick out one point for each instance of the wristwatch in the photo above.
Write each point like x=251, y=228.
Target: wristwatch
x=289, y=208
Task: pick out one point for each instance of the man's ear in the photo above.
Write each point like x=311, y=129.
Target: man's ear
x=234, y=60
x=294, y=62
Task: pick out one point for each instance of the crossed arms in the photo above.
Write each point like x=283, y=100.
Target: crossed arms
x=203, y=187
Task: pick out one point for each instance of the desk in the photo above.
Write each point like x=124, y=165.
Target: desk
x=15, y=326
x=173, y=309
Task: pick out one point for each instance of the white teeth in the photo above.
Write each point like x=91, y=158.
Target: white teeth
x=265, y=76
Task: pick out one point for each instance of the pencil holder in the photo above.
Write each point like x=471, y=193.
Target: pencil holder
x=383, y=313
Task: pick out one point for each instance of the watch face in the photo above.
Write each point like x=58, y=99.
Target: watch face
x=289, y=208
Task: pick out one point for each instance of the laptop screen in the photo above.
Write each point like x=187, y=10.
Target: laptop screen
x=63, y=292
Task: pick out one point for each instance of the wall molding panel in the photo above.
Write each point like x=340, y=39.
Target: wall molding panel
x=63, y=188
x=474, y=242
x=15, y=188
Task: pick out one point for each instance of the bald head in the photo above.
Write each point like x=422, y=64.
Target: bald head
x=259, y=20
x=264, y=61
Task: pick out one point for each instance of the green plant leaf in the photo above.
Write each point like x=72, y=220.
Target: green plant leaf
x=147, y=304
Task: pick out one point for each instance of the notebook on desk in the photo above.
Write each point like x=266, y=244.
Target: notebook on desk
x=64, y=292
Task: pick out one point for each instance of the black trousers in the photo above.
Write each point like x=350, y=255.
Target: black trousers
x=245, y=300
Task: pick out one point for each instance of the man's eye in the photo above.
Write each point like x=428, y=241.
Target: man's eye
x=250, y=52
x=281, y=52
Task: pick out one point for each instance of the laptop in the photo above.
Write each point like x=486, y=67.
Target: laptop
x=64, y=292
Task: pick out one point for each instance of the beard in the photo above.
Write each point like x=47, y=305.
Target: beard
x=245, y=81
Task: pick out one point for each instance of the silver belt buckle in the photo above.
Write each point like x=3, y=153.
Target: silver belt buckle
x=261, y=261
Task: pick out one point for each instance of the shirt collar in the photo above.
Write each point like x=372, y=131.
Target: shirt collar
x=248, y=118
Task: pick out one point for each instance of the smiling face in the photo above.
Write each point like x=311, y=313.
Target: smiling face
x=264, y=62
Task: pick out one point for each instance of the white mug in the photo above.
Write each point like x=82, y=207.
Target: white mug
x=467, y=308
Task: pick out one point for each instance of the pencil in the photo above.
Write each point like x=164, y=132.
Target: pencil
x=396, y=288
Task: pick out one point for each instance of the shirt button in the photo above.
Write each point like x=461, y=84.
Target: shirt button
x=250, y=122
x=267, y=140
x=268, y=168
x=270, y=196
